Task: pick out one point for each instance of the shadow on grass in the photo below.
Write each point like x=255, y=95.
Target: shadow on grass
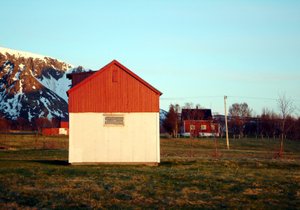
x=53, y=162
x=176, y=163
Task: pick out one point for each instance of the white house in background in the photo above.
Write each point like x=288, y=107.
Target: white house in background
x=113, y=118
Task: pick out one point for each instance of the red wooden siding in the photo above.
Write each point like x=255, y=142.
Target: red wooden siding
x=114, y=88
x=53, y=131
x=64, y=124
x=200, y=126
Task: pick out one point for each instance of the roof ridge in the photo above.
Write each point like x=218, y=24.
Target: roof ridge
x=137, y=77
x=114, y=62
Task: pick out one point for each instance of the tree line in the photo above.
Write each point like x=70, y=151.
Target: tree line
x=242, y=123
x=23, y=124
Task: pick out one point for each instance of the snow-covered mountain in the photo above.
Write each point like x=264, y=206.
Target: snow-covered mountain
x=162, y=115
x=33, y=86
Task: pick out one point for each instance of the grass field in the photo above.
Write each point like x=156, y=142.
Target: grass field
x=34, y=174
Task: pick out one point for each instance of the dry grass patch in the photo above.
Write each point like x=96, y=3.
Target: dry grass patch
x=253, y=191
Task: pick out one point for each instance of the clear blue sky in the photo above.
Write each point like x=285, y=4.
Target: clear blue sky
x=192, y=51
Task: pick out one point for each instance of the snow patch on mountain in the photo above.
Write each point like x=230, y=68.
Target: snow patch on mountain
x=17, y=76
x=21, y=86
x=13, y=106
x=8, y=67
x=20, y=53
x=23, y=54
x=30, y=116
x=21, y=66
x=162, y=115
x=60, y=86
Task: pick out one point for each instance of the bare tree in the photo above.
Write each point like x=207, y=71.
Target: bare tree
x=177, y=125
x=286, y=109
x=40, y=123
x=188, y=105
x=198, y=106
x=4, y=125
x=269, y=123
x=239, y=113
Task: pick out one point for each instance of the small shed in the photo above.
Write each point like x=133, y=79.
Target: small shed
x=113, y=118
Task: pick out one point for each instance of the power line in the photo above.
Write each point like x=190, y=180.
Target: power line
x=241, y=97
x=256, y=98
x=192, y=97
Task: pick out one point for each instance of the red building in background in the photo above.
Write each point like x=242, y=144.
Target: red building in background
x=62, y=130
x=198, y=123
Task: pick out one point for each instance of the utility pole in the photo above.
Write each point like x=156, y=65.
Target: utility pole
x=226, y=127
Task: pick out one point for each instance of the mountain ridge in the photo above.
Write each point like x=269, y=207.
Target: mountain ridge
x=25, y=54
x=33, y=86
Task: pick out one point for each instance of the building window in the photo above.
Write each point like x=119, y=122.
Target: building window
x=114, y=120
x=203, y=127
x=192, y=127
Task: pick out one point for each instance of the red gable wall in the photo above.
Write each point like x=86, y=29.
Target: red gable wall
x=209, y=126
x=114, y=88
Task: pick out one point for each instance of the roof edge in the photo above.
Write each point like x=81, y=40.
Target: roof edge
x=114, y=62
x=136, y=77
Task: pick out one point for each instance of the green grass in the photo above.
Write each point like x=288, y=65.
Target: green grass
x=189, y=176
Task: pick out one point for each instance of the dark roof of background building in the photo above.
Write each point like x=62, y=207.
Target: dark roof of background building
x=196, y=114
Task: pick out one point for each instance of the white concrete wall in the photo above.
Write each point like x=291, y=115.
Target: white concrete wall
x=63, y=131
x=90, y=141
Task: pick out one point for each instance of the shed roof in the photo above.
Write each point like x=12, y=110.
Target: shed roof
x=114, y=62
